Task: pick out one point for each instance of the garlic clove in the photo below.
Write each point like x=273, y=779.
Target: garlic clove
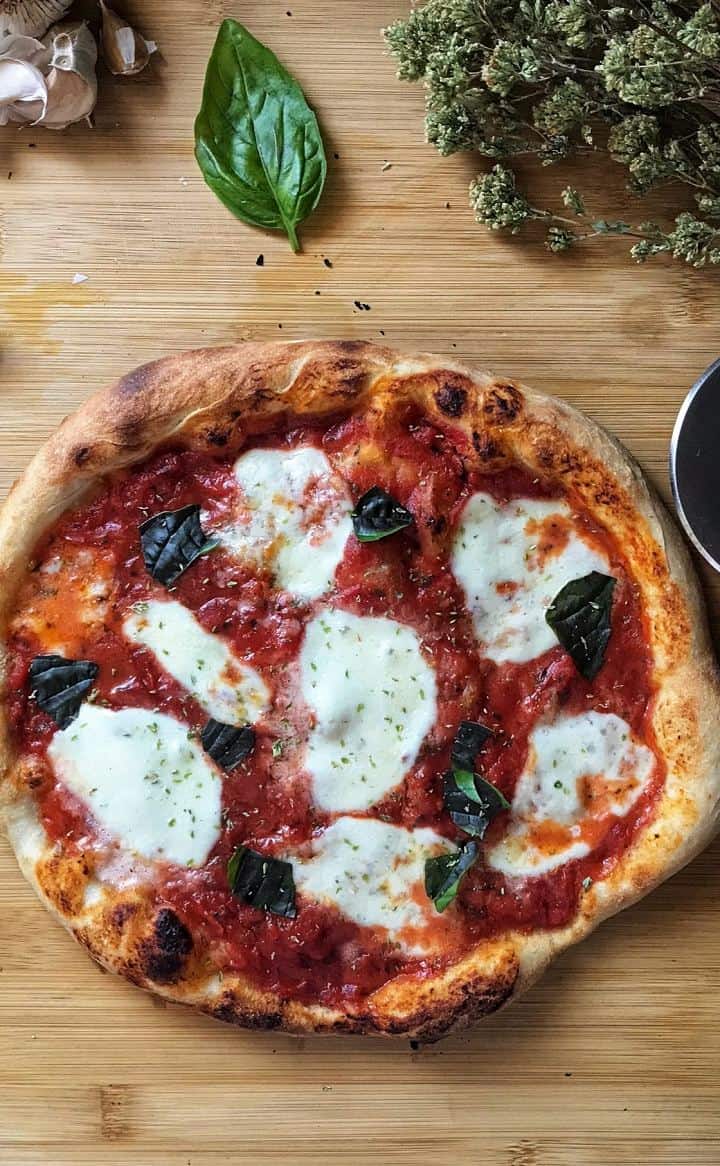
x=23, y=91
x=26, y=48
x=125, y=50
x=71, y=81
x=30, y=17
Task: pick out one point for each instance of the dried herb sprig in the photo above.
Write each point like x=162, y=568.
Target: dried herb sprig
x=560, y=78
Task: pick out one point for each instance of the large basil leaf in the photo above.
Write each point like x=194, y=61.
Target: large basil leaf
x=59, y=686
x=469, y=740
x=171, y=541
x=226, y=744
x=377, y=514
x=471, y=801
x=580, y=617
x=263, y=882
x=257, y=141
x=444, y=874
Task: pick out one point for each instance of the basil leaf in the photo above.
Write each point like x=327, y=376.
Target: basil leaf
x=469, y=740
x=226, y=744
x=471, y=801
x=580, y=617
x=171, y=541
x=59, y=686
x=257, y=141
x=263, y=882
x=377, y=514
x=444, y=874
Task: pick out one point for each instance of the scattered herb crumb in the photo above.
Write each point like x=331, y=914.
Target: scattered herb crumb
x=327, y=262
x=260, y=261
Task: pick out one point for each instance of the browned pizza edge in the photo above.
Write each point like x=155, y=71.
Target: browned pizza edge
x=209, y=398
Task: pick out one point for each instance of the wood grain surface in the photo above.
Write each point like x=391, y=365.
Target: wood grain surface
x=612, y=1058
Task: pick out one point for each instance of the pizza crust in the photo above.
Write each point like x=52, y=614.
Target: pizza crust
x=210, y=399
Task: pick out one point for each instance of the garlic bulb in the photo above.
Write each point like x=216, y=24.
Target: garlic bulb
x=23, y=92
x=125, y=50
x=71, y=80
x=29, y=17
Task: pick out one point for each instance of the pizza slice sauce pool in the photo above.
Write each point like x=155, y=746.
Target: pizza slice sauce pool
x=341, y=702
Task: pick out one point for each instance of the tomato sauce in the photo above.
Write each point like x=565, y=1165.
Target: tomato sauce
x=320, y=954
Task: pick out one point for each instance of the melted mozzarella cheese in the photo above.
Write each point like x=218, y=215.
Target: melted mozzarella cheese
x=147, y=783
x=374, y=873
x=229, y=690
x=374, y=698
x=294, y=518
x=511, y=571
x=580, y=769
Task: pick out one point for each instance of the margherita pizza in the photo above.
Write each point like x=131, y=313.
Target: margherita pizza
x=342, y=689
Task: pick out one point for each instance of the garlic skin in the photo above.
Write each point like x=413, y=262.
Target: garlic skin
x=125, y=51
x=29, y=17
x=23, y=90
x=71, y=80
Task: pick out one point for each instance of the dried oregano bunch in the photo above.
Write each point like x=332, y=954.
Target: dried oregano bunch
x=567, y=77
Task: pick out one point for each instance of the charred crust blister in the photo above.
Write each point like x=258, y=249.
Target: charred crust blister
x=502, y=404
x=165, y=953
x=451, y=399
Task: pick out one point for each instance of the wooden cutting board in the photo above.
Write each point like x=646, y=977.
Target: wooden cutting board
x=613, y=1057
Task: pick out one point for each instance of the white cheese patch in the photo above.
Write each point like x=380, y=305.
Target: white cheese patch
x=579, y=770
x=149, y=785
x=229, y=690
x=294, y=518
x=508, y=582
x=373, y=872
x=374, y=698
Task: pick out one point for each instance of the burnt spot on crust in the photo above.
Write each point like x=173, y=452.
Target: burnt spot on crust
x=82, y=455
x=217, y=437
x=231, y=1011
x=63, y=880
x=608, y=497
x=351, y=347
x=120, y=916
x=451, y=399
x=135, y=381
x=341, y=376
x=164, y=954
x=476, y=1001
x=502, y=403
x=484, y=446
x=569, y=463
